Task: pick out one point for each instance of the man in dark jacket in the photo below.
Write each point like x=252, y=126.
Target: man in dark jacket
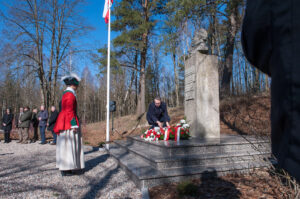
x=7, y=124
x=51, y=123
x=17, y=123
x=157, y=115
x=35, y=124
x=25, y=124
x=43, y=117
x=271, y=42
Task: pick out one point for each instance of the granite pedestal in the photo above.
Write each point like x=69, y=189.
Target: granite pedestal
x=153, y=163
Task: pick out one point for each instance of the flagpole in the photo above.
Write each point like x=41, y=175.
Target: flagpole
x=108, y=79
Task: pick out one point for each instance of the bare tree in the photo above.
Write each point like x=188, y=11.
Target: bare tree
x=44, y=29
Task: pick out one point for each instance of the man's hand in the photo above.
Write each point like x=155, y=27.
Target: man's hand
x=4, y=124
x=47, y=124
x=40, y=118
x=168, y=125
x=159, y=124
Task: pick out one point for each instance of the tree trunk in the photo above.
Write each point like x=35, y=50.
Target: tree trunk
x=256, y=80
x=229, y=50
x=141, y=98
x=176, y=80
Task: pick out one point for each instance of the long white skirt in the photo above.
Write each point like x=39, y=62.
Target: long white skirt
x=69, y=151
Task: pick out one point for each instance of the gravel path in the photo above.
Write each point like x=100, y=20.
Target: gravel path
x=28, y=171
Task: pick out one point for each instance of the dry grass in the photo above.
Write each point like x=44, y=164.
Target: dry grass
x=260, y=183
x=130, y=125
x=246, y=115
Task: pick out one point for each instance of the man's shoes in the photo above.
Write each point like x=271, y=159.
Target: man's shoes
x=52, y=143
x=42, y=143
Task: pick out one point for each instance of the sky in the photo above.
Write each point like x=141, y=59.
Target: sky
x=91, y=11
x=98, y=36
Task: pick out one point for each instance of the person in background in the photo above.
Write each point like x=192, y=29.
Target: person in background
x=25, y=124
x=43, y=117
x=51, y=123
x=157, y=115
x=271, y=42
x=18, y=122
x=35, y=124
x=7, y=124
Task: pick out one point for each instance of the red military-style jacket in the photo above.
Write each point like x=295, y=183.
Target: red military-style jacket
x=67, y=117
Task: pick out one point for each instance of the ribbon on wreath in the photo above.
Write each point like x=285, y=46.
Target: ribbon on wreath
x=177, y=133
x=166, y=133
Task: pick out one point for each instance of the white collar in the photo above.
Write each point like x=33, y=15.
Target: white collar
x=72, y=90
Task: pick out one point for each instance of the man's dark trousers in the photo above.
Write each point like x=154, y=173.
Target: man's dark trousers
x=35, y=133
x=42, y=132
x=6, y=136
x=54, y=137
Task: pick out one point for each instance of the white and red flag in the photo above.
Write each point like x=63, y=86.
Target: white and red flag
x=106, y=10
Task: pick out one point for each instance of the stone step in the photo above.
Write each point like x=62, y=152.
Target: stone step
x=162, y=161
x=203, y=146
x=145, y=175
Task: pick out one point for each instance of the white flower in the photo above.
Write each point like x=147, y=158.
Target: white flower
x=178, y=124
x=186, y=126
x=156, y=129
x=182, y=121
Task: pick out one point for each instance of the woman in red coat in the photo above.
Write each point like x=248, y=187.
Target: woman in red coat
x=69, y=148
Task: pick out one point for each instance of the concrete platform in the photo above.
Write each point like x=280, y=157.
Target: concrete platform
x=153, y=163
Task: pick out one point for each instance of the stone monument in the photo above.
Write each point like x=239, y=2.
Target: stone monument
x=201, y=103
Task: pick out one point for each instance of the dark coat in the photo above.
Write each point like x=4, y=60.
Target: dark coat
x=44, y=116
x=271, y=42
x=8, y=120
x=34, y=120
x=25, y=119
x=155, y=114
x=52, y=120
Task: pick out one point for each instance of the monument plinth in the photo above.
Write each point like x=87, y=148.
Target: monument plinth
x=201, y=103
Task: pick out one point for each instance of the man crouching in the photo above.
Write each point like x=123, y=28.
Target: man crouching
x=157, y=115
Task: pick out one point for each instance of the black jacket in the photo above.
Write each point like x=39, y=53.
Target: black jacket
x=271, y=42
x=155, y=114
x=257, y=34
x=34, y=120
x=7, y=119
x=52, y=120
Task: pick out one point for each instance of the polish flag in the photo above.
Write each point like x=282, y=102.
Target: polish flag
x=106, y=10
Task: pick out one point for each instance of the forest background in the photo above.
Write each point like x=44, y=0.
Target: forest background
x=42, y=40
